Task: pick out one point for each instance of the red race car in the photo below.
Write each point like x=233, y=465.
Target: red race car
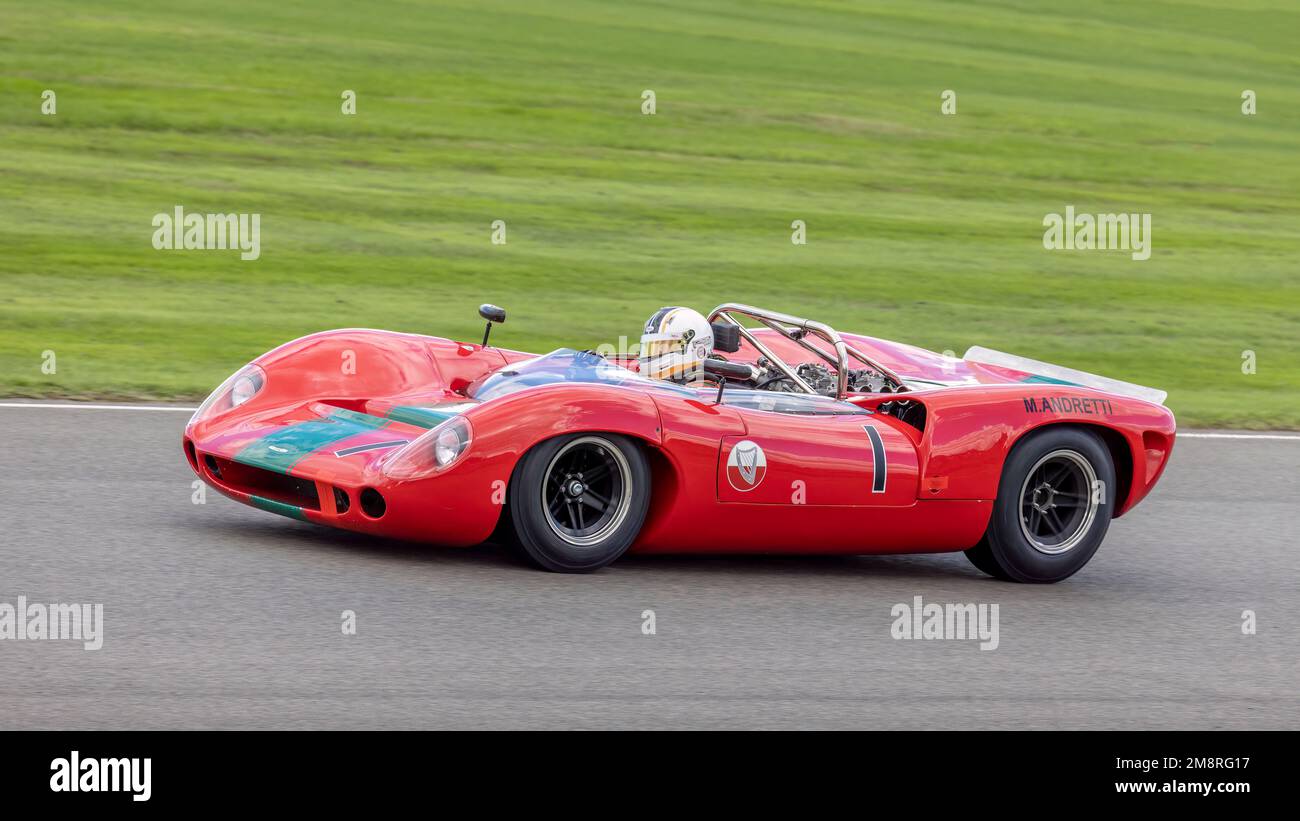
x=785, y=437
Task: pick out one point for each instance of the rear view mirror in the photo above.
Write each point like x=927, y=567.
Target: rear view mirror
x=492, y=314
x=726, y=337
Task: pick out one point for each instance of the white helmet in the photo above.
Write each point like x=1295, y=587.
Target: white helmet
x=675, y=344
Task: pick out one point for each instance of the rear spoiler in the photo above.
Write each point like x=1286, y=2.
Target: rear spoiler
x=1050, y=373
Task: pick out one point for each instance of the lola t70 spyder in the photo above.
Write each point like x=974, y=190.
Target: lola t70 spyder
x=795, y=438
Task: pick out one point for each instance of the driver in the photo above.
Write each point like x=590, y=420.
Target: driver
x=675, y=344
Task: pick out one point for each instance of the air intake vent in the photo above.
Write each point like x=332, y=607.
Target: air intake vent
x=372, y=503
x=278, y=487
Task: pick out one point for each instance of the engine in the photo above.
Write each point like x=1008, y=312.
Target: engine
x=766, y=376
x=823, y=380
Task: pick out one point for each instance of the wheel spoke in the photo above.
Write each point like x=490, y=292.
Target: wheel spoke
x=1058, y=503
x=583, y=492
x=1058, y=527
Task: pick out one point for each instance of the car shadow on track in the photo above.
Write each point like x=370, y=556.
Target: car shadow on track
x=918, y=566
x=279, y=535
x=271, y=535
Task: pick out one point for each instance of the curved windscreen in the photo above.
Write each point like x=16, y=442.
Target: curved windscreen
x=568, y=365
x=564, y=365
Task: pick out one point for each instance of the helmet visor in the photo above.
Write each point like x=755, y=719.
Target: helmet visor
x=651, y=348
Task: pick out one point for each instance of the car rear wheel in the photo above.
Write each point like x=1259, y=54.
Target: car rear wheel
x=1053, y=508
x=577, y=502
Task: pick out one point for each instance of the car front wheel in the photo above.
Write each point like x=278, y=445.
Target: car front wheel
x=578, y=501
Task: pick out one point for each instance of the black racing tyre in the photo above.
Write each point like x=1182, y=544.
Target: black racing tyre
x=981, y=557
x=577, y=502
x=1053, y=508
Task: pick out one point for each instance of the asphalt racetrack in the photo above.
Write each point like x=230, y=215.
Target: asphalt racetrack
x=222, y=616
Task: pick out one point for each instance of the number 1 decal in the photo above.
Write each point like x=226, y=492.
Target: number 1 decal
x=880, y=470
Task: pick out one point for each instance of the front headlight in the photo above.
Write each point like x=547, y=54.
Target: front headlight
x=434, y=450
x=243, y=389
x=242, y=386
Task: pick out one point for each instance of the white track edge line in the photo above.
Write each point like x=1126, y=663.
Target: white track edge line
x=91, y=406
x=1235, y=436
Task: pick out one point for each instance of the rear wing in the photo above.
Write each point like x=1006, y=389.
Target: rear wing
x=1047, y=372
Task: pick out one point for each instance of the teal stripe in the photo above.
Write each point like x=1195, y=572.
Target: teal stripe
x=273, y=506
x=421, y=417
x=1047, y=380
x=280, y=450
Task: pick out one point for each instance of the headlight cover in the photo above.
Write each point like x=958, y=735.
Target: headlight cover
x=243, y=389
x=435, y=450
x=242, y=386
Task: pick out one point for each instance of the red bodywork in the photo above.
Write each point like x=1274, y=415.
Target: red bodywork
x=818, y=494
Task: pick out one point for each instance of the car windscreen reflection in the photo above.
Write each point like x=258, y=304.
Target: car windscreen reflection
x=569, y=366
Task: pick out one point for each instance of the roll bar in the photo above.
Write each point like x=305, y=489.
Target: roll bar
x=796, y=329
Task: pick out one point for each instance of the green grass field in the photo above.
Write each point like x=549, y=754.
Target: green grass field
x=921, y=227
